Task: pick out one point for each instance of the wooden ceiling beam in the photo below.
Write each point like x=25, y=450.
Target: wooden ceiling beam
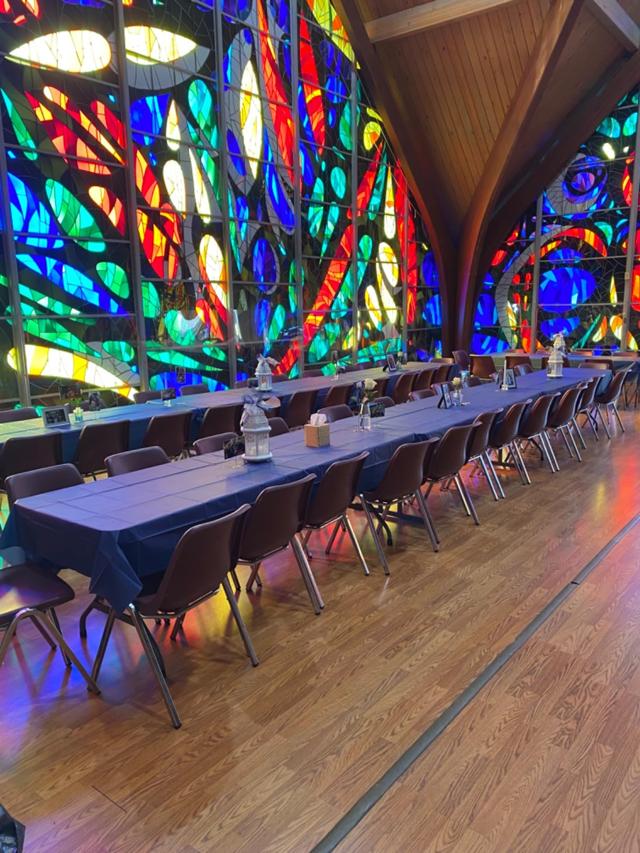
x=426, y=16
x=558, y=25
x=413, y=153
x=619, y=23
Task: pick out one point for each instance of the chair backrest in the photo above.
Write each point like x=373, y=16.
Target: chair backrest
x=422, y=380
x=335, y=491
x=387, y=402
x=189, y=390
x=451, y=452
x=474, y=381
x=404, y=473
x=565, y=408
x=299, y=408
x=338, y=394
x=170, y=432
x=422, y=393
x=135, y=460
x=203, y=557
x=43, y=480
x=442, y=360
x=26, y=413
x=27, y=453
x=336, y=413
x=480, y=438
x=381, y=385
x=442, y=374
x=483, y=366
x=515, y=359
x=145, y=396
x=523, y=369
x=587, y=398
x=99, y=440
x=220, y=419
x=461, y=358
x=613, y=390
x=213, y=443
x=596, y=364
x=278, y=426
x=534, y=420
x=505, y=429
x=275, y=518
x=402, y=387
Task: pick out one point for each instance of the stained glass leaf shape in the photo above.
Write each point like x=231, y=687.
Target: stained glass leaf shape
x=114, y=278
x=23, y=137
x=147, y=118
x=74, y=218
x=109, y=203
x=73, y=51
x=50, y=330
x=203, y=110
x=327, y=17
x=71, y=281
x=182, y=330
x=250, y=115
x=175, y=186
x=49, y=361
x=311, y=86
x=31, y=221
x=159, y=59
x=278, y=203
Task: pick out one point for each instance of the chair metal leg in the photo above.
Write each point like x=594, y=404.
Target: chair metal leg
x=372, y=528
x=590, y=421
x=617, y=414
x=579, y=434
x=483, y=465
x=253, y=577
x=307, y=576
x=545, y=452
x=244, y=633
x=428, y=521
x=8, y=636
x=54, y=618
x=605, y=426
x=177, y=627
x=566, y=441
x=236, y=582
x=104, y=642
x=83, y=618
x=46, y=636
x=496, y=479
x=573, y=442
x=332, y=538
x=552, y=453
x=152, y=658
x=463, y=497
x=60, y=640
x=469, y=501
x=356, y=545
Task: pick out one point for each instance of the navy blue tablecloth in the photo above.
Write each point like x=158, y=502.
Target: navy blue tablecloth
x=118, y=530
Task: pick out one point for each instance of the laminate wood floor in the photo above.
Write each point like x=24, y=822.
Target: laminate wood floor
x=268, y=759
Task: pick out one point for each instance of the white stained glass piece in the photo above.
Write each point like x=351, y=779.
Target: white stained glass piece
x=73, y=51
x=174, y=182
x=251, y=117
x=159, y=59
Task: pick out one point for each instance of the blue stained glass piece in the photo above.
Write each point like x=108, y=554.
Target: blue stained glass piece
x=265, y=263
x=72, y=281
x=432, y=311
x=486, y=344
x=277, y=195
x=31, y=217
x=563, y=287
x=175, y=380
x=286, y=58
x=486, y=311
x=96, y=4
x=557, y=325
x=239, y=9
x=430, y=271
x=147, y=118
x=235, y=153
x=566, y=253
x=261, y=316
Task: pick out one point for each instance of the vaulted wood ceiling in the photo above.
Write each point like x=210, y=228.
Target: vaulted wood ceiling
x=485, y=101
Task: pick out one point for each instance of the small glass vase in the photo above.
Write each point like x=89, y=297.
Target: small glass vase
x=364, y=418
x=456, y=397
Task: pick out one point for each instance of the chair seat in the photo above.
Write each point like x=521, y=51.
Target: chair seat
x=29, y=585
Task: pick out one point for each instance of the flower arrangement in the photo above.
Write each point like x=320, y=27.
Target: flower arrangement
x=456, y=383
x=363, y=392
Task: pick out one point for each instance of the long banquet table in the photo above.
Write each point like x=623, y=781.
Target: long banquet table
x=118, y=530
x=139, y=414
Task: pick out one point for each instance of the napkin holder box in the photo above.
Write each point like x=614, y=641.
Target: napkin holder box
x=317, y=436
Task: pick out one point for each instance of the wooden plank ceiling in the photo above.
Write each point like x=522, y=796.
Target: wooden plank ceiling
x=482, y=101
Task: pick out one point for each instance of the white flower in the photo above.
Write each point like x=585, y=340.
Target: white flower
x=369, y=384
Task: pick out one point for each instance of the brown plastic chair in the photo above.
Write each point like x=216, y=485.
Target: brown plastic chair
x=403, y=386
x=474, y=381
x=563, y=416
x=213, y=443
x=449, y=456
x=299, y=407
x=515, y=360
x=27, y=453
x=381, y=385
x=336, y=413
x=387, y=402
x=331, y=500
x=422, y=380
x=505, y=432
x=442, y=374
x=401, y=482
x=272, y=525
x=135, y=460
x=479, y=450
x=25, y=413
x=442, y=360
x=278, y=426
x=597, y=363
x=96, y=442
x=533, y=428
x=422, y=394
x=461, y=358
x=27, y=591
x=586, y=404
x=523, y=369
x=220, y=419
x=170, y=432
x=337, y=394
x=608, y=400
x=201, y=562
x=145, y=396
x=483, y=366
x=190, y=390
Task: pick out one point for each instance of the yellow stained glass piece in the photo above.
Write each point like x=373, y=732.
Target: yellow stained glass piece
x=389, y=209
x=74, y=51
x=173, y=127
x=613, y=293
x=373, y=304
x=251, y=117
x=371, y=134
x=151, y=45
x=200, y=189
x=212, y=266
x=328, y=18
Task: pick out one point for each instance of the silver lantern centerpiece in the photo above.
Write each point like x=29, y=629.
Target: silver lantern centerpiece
x=255, y=429
x=263, y=373
x=556, y=357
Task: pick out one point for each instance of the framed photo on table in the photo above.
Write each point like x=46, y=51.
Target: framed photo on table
x=55, y=417
x=391, y=364
x=445, y=401
x=507, y=377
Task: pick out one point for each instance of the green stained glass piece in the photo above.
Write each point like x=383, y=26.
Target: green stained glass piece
x=345, y=127
x=338, y=181
x=332, y=219
x=316, y=210
x=176, y=359
x=74, y=218
x=23, y=136
x=630, y=124
x=609, y=127
x=181, y=330
x=151, y=305
x=114, y=278
x=120, y=350
x=217, y=353
x=277, y=323
x=55, y=333
x=203, y=110
x=607, y=230
x=378, y=189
